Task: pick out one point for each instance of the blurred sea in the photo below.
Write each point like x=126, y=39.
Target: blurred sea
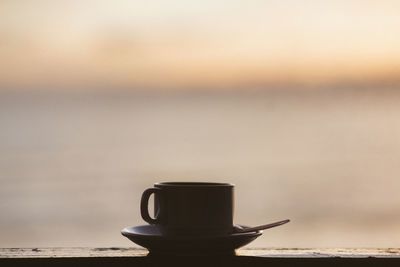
x=73, y=166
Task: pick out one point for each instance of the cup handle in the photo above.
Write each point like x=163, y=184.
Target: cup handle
x=144, y=205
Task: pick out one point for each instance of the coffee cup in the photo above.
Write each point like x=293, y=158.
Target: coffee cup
x=190, y=208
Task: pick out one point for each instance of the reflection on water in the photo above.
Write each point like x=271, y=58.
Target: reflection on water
x=73, y=167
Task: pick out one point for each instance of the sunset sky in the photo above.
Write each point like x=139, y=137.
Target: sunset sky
x=176, y=44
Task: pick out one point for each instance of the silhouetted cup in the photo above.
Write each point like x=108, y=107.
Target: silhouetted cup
x=190, y=208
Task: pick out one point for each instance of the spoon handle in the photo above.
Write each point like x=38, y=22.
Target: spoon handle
x=262, y=227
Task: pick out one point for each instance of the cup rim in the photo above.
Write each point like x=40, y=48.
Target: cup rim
x=193, y=184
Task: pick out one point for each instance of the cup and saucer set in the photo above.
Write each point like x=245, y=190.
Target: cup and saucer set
x=191, y=218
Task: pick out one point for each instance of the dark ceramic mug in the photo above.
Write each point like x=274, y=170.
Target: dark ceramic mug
x=192, y=208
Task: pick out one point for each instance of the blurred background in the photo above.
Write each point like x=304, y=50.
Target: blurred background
x=295, y=102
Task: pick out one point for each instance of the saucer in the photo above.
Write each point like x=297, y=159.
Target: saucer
x=150, y=237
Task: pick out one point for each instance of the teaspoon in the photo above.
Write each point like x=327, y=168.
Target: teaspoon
x=240, y=229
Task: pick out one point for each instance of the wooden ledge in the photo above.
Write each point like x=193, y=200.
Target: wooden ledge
x=88, y=252
x=117, y=256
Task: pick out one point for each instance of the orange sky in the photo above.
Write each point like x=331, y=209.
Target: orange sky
x=174, y=44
